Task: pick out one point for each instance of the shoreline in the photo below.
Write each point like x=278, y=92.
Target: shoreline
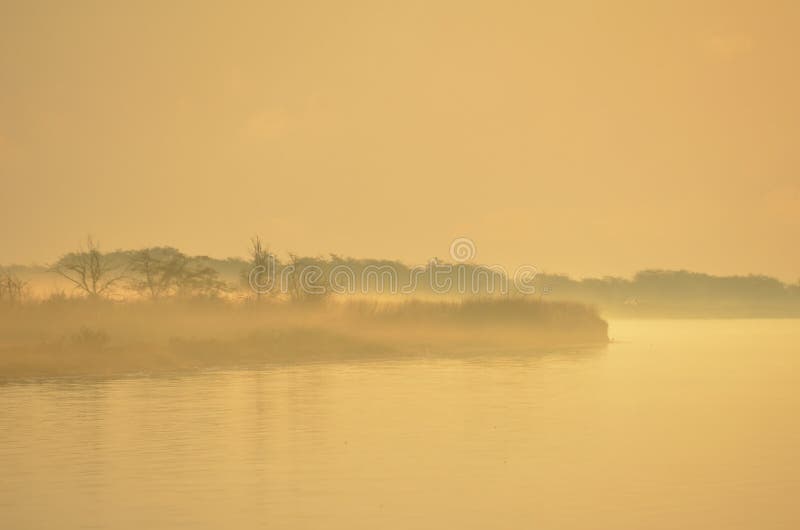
x=273, y=348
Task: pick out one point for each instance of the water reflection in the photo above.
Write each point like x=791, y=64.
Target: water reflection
x=685, y=425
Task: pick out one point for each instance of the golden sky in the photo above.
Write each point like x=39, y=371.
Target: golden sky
x=589, y=138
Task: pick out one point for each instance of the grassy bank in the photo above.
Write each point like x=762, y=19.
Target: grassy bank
x=83, y=336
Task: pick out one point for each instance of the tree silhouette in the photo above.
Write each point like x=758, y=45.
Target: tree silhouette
x=158, y=272
x=89, y=270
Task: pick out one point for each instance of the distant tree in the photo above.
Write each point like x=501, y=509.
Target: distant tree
x=12, y=288
x=89, y=270
x=163, y=272
x=260, y=269
x=158, y=272
x=304, y=279
x=199, y=280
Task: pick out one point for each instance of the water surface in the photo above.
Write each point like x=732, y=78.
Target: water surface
x=678, y=424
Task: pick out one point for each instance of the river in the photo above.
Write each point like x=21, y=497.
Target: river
x=689, y=424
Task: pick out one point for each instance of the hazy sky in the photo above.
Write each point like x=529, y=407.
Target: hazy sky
x=582, y=137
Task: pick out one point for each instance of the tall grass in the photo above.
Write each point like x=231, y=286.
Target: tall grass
x=72, y=335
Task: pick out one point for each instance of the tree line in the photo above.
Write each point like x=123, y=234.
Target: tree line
x=153, y=273
x=165, y=272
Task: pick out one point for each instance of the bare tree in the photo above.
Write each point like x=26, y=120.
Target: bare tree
x=261, y=268
x=89, y=270
x=12, y=288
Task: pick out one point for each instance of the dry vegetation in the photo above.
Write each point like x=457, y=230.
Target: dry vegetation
x=63, y=335
x=158, y=309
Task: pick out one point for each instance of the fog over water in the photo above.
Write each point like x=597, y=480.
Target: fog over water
x=676, y=424
x=438, y=265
